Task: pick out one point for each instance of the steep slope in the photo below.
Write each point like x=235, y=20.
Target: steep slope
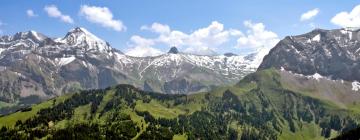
x=34, y=68
x=321, y=63
x=125, y=112
x=330, y=53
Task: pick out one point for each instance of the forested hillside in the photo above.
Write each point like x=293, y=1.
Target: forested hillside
x=258, y=107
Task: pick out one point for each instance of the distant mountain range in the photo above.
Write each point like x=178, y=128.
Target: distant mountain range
x=35, y=67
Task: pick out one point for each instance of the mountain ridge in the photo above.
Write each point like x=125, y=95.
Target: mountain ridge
x=332, y=53
x=44, y=67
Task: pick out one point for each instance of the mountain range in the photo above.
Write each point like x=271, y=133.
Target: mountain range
x=305, y=88
x=35, y=67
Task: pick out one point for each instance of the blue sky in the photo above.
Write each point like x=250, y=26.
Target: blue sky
x=201, y=27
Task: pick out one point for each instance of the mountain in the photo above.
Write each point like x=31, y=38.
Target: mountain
x=261, y=106
x=332, y=57
x=173, y=50
x=278, y=101
x=34, y=67
x=329, y=53
x=323, y=64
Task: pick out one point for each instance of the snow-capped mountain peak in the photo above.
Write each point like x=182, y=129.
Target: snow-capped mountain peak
x=82, y=38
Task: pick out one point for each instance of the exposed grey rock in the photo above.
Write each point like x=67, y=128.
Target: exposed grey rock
x=330, y=53
x=173, y=50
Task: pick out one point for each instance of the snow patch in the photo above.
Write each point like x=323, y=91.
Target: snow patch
x=355, y=86
x=36, y=35
x=316, y=38
x=308, y=41
x=282, y=69
x=346, y=32
x=357, y=50
x=343, y=32
x=65, y=60
x=317, y=76
x=260, y=54
x=1, y=50
x=85, y=64
x=350, y=35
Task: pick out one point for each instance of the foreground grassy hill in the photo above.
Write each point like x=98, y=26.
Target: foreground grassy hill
x=261, y=106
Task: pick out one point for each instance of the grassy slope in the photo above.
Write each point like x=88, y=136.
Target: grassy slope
x=307, y=130
x=10, y=120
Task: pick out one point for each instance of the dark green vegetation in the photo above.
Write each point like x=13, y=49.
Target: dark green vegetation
x=258, y=107
x=350, y=135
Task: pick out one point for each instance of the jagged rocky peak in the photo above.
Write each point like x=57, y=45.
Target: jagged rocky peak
x=230, y=54
x=173, y=50
x=81, y=37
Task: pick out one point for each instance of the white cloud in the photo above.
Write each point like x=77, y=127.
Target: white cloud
x=309, y=14
x=54, y=12
x=102, y=16
x=142, y=47
x=157, y=28
x=346, y=19
x=203, y=41
x=257, y=37
x=30, y=13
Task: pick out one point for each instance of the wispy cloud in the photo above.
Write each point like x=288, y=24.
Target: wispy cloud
x=31, y=13
x=348, y=19
x=309, y=14
x=102, y=16
x=54, y=12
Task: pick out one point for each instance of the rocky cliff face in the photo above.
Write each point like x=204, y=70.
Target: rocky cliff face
x=331, y=53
